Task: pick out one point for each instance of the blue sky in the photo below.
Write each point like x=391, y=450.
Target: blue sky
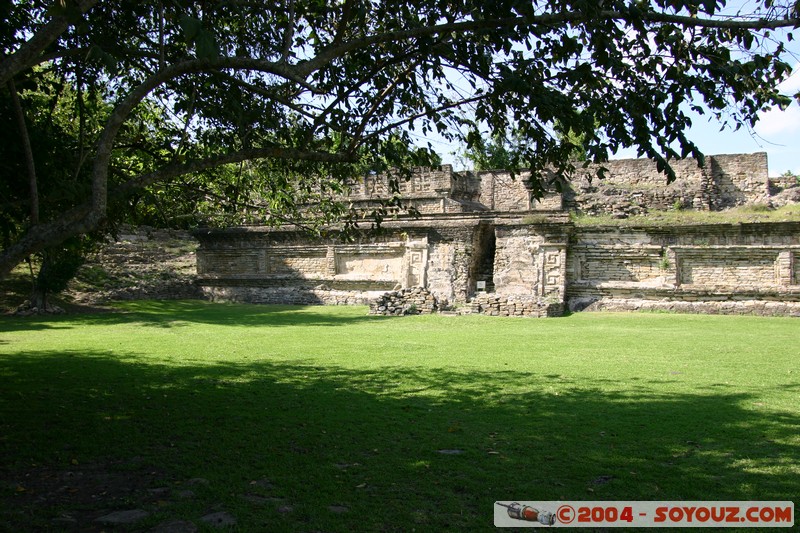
x=777, y=133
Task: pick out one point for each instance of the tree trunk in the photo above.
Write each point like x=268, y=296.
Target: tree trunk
x=26, y=146
x=38, y=300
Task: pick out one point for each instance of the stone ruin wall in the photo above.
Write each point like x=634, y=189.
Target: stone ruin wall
x=430, y=191
x=262, y=266
x=485, y=229
x=634, y=186
x=500, y=191
x=279, y=267
x=722, y=268
x=631, y=187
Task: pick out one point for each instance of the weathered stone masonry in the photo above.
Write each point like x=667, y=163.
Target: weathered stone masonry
x=483, y=245
x=723, y=268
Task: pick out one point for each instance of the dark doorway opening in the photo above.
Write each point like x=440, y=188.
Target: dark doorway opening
x=482, y=267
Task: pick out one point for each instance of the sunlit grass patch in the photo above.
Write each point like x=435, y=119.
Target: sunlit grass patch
x=739, y=215
x=406, y=423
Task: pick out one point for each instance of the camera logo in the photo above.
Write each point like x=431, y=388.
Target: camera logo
x=527, y=513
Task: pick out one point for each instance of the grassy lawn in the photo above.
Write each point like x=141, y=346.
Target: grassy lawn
x=672, y=217
x=326, y=419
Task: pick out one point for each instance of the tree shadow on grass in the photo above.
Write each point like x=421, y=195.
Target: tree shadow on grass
x=303, y=447
x=171, y=314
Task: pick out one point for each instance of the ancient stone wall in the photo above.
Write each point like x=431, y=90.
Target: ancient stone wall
x=275, y=266
x=269, y=266
x=483, y=245
x=425, y=182
x=630, y=187
x=413, y=301
x=534, y=268
x=500, y=191
x=429, y=191
x=262, y=266
x=724, y=267
x=495, y=305
x=634, y=186
x=447, y=273
x=740, y=179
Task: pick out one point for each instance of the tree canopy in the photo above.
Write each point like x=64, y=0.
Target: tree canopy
x=164, y=94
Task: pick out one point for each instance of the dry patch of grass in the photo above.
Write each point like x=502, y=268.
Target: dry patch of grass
x=672, y=217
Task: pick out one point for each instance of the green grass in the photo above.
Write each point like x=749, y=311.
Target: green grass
x=286, y=411
x=739, y=215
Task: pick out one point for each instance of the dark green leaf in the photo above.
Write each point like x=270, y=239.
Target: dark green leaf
x=206, y=44
x=191, y=27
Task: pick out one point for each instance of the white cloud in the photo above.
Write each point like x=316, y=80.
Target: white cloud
x=777, y=122
x=787, y=122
